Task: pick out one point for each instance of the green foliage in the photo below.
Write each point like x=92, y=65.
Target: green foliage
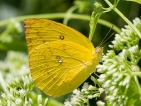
x=138, y=1
x=10, y=38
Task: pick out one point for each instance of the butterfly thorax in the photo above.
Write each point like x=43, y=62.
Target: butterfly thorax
x=98, y=54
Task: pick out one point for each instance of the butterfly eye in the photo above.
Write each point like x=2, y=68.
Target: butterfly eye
x=62, y=37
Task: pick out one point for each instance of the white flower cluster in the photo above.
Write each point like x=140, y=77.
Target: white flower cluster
x=127, y=37
x=81, y=97
x=19, y=93
x=117, y=71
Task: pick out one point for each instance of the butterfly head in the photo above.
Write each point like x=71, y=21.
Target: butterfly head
x=99, y=50
x=98, y=53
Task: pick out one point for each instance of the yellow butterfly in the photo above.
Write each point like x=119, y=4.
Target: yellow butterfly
x=60, y=58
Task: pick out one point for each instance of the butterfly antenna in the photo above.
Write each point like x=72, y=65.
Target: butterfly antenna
x=106, y=35
x=106, y=44
x=107, y=38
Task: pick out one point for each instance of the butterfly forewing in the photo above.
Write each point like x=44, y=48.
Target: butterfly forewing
x=39, y=31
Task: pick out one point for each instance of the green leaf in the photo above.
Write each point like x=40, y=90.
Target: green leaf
x=93, y=22
x=94, y=19
x=133, y=94
x=12, y=43
x=137, y=1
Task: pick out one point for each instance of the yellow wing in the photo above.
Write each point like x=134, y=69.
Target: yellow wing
x=39, y=31
x=60, y=67
x=60, y=58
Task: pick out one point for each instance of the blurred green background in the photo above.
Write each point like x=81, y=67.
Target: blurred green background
x=13, y=39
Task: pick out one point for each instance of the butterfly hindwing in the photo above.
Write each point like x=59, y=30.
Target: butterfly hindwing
x=54, y=66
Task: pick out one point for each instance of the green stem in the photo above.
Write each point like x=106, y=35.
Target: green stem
x=4, y=34
x=135, y=77
x=138, y=84
x=136, y=74
x=68, y=14
x=124, y=18
x=54, y=102
x=58, y=16
x=88, y=104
